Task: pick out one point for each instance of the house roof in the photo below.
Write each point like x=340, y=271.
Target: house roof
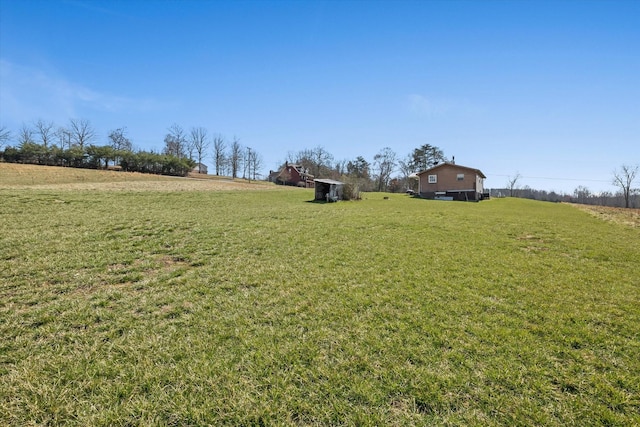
x=298, y=168
x=453, y=165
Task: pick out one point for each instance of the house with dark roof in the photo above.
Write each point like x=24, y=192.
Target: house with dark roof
x=292, y=174
x=448, y=181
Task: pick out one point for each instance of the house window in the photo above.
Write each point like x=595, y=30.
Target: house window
x=460, y=177
x=433, y=179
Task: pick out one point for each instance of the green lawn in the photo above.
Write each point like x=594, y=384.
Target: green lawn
x=260, y=308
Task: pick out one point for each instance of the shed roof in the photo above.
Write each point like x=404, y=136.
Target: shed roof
x=328, y=181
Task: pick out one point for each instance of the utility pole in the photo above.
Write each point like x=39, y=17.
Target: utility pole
x=249, y=160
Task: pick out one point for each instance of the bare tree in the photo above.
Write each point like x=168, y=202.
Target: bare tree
x=512, y=183
x=305, y=159
x=189, y=147
x=235, y=157
x=255, y=163
x=81, y=132
x=64, y=137
x=341, y=167
x=582, y=194
x=291, y=157
x=25, y=135
x=175, y=141
x=171, y=146
x=119, y=140
x=218, y=153
x=119, y=143
x=5, y=135
x=251, y=162
x=623, y=179
x=246, y=164
x=384, y=164
x=321, y=159
x=45, y=131
x=316, y=161
x=246, y=170
x=407, y=168
x=200, y=144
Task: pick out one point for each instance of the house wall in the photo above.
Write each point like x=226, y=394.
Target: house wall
x=448, y=181
x=289, y=176
x=479, y=184
x=200, y=169
x=294, y=175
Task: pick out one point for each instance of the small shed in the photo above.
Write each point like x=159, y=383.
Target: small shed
x=199, y=168
x=329, y=190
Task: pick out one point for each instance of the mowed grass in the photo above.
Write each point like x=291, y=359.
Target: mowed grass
x=13, y=174
x=260, y=308
x=17, y=176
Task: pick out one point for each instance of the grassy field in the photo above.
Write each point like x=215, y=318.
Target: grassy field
x=150, y=305
x=17, y=176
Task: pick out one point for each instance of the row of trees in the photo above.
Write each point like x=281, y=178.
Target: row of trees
x=623, y=178
x=230, y=158
x=389, y=172
x=580, y=195
x=77, y=133
x=74, y=146
x=99, y=157
x=378, y=175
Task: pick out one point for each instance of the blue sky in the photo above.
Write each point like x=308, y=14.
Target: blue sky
x=549, y=90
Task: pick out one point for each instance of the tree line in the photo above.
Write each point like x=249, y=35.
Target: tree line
x=623, y=178
x=391, y=173
x=230, y=158
x=386, y=172
x=74, y=145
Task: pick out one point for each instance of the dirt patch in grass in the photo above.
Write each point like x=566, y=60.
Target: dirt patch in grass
x=626, y=216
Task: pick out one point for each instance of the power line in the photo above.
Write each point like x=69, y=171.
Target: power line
x=553, y=179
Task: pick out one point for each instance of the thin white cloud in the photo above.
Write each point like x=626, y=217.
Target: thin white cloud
x=27, y=93
x=423, y=106
x=94, y=7
x=419, y=105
